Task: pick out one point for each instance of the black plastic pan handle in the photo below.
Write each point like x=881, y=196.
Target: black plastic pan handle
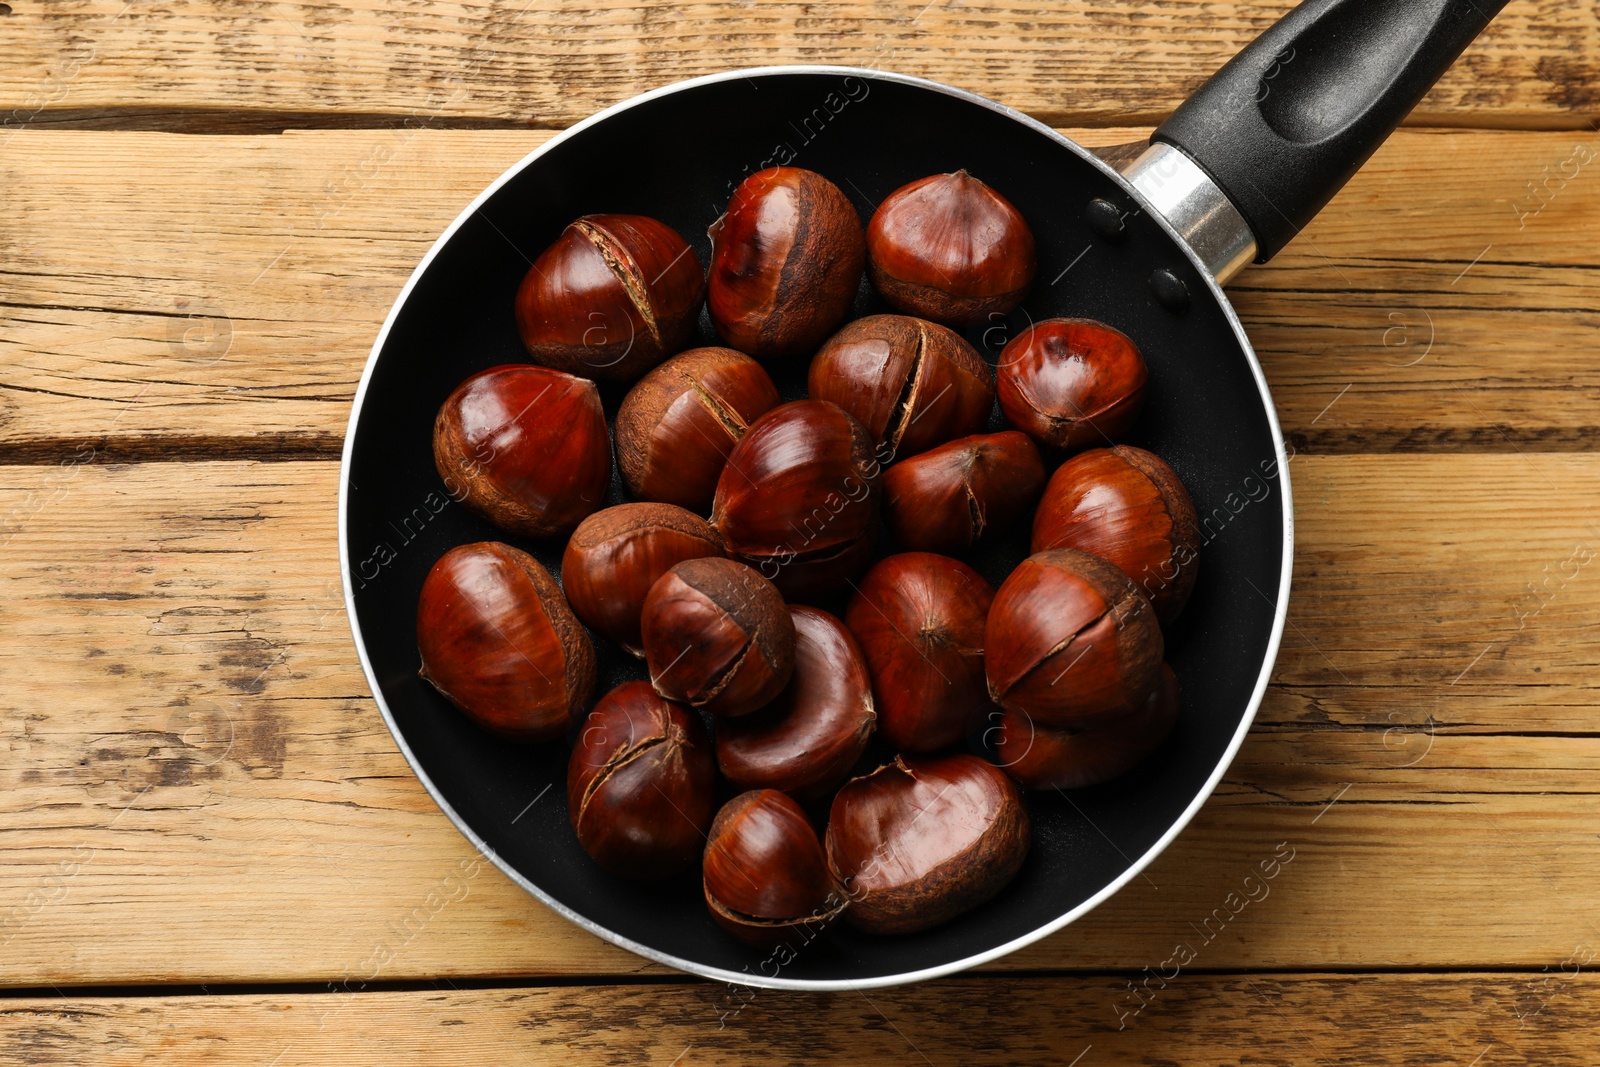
x=1286, y=122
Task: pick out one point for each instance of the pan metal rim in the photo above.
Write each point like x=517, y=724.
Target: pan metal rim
x=746, y=978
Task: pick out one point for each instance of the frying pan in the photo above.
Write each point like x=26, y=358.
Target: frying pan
x=1144, y=245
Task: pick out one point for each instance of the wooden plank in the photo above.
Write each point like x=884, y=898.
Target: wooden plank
x=197, y=786
x=228, y=300
x=1545, y=1018
x=1097, y=62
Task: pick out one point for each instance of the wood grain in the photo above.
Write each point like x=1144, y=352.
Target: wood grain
x=537, y=62
x=229, y=299
x=197, y=786
x=1194, y=1019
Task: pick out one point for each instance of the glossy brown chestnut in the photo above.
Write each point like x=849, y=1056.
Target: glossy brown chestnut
x=950, y=249
x=1071, y=383
x=798, y=499
x=498, y=640
x=912, y=384
x=806, y=741
x=640, y=784
x=526, y=447
x=616, y=555
x=919, y=618
x=786, y=261
x=1125, y=505
x=718, y=636
x=921, y=840
x=611, y=298
x=677, y=425
x=1042, y=758
x=948, y=498
x=765, y=877
x=1070, y=640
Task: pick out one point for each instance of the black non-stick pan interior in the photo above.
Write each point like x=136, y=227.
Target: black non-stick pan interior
x=676, y=156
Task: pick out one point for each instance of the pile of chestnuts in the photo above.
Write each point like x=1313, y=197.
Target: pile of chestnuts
x=826, y=670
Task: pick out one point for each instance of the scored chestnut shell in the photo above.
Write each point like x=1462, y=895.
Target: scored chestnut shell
x=616, y=555
x=1071, y=383
x=1039, y=757
x=640, y=784
x=678, y=423
x=921, y=840
x=948, y=498
x=1127, y=506
x=765, y=876
x=718, y=636
x=798, y=498
x=498, y=640
x=920, y=620
x=911, y=384
x=950, y=249
x=1070, y=639
x=806, y=741
x=611, y=298
x=786, y=260
x=526, y=447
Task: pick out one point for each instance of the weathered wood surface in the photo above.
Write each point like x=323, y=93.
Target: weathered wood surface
x=197, y=786
x=228, y=299
x=1194, y=1019
x=201, y=64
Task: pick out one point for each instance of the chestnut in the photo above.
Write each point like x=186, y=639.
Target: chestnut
x=498, y=640
x=611, y=298
x=949, y=497
x=806, y=741
x=950, y=249
x=678, y=423
x=1125, y=505
x=920, y=620
x=798, y=498
x=786, y=261
x=921, y=840
x=764, y=873
x=911, y=384
x=526, y=447
x=616, y=555
x=1070, y=640
x=718, y=636
x=641, y=783
x=1042, y=758
x=1071, y=383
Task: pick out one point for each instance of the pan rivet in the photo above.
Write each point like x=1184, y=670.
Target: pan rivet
x=1170, y=292
x=1105, y=219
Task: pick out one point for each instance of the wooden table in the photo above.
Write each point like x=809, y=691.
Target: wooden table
x=211, y=850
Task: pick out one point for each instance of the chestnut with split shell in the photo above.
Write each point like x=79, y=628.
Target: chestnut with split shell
x=921, y=840
x=786, y=260
x=717, y=636
x=640, y=784
x=911, y=384
x=616, y=555
x=765, y=877
x=920, y=620
x=798, y=498
x=526, y=447
x=947, y=499
x=678, y=423
x=1040, y=757
x=807, y=740
x=498, y=640
x=1071, y=383
x=611, y=298
x=1070, y=640
x=1127, y=506
x=951, y=249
